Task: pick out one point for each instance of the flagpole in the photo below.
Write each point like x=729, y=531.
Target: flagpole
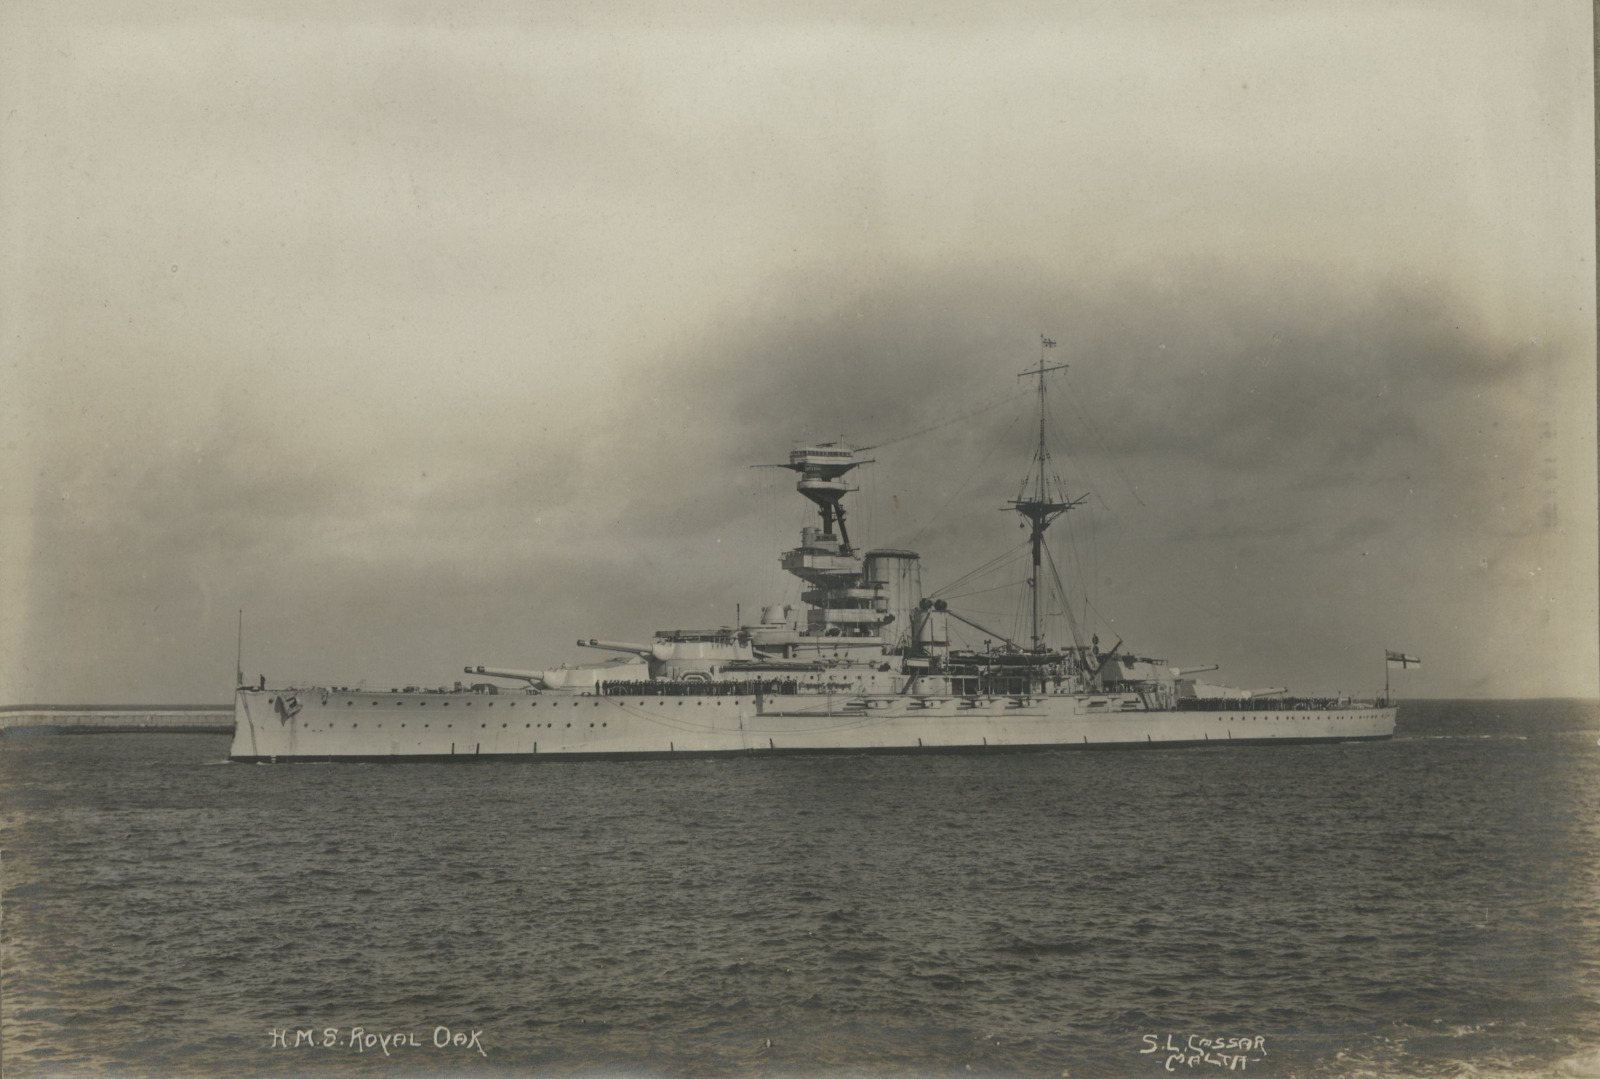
x=1386, y=677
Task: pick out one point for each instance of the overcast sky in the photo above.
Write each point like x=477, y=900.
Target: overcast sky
x=435, y=334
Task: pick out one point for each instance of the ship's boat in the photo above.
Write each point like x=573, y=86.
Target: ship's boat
x=867, y=664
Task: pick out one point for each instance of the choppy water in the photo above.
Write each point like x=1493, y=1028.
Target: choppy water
x=1426, y=906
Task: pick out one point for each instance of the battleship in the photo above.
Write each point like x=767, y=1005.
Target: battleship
x=866, y=663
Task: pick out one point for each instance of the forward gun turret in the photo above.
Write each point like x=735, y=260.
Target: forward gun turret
x=501, y=672
x=647, y=651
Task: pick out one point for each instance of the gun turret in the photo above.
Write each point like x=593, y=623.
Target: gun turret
x=1103, y=657
x=501, y=672
x=645, y=650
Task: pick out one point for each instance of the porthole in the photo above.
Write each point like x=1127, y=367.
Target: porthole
x=347, y=704
x=354, y=725
x=374, y=704
x=502, y=725
x=397, y=704
x=569, y=724
x=483, y=724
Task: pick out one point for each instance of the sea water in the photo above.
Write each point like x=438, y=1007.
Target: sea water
x=1423, y=906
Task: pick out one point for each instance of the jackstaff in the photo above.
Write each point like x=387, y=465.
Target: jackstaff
x=1396, y=661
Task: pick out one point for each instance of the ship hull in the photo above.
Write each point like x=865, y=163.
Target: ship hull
x=316, y=725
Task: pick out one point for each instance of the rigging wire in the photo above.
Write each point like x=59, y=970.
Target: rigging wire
x=1177, y=588
x=988, y=567
x=1005, y=397
x=1075, y=551
x=1094, y=432
x=931, y=521
x=1066, y=608
x=981, y=591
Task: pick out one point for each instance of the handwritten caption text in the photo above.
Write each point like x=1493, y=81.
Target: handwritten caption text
x=363, y=1040
x=1215, y=1050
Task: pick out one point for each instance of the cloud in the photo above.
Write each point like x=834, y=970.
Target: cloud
x=1278, y=430
x=412, y=335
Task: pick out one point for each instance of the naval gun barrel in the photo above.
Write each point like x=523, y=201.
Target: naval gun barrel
x=1184, y=672
x=501, y=672
x=644, y=650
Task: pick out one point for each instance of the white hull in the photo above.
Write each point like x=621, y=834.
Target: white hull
x=350, y=725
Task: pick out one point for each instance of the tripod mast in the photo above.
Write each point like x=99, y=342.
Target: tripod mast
x=1037, y=507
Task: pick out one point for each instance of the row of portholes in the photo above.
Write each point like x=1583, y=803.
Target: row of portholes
x=353, y=726
x=424, y=704
x=446, y=704
x=1235, y=719
x=531, y=704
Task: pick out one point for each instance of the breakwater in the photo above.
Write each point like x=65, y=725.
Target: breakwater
x=115, y=719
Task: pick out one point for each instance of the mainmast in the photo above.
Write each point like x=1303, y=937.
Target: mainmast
x=1038, y=507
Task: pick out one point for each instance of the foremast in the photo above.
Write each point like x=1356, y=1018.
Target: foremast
x=856, y=600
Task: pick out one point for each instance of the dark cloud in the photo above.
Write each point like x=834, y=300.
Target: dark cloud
x=412, y=337
x=1248, y=445
x=1301, y=384
x=1279, y=430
